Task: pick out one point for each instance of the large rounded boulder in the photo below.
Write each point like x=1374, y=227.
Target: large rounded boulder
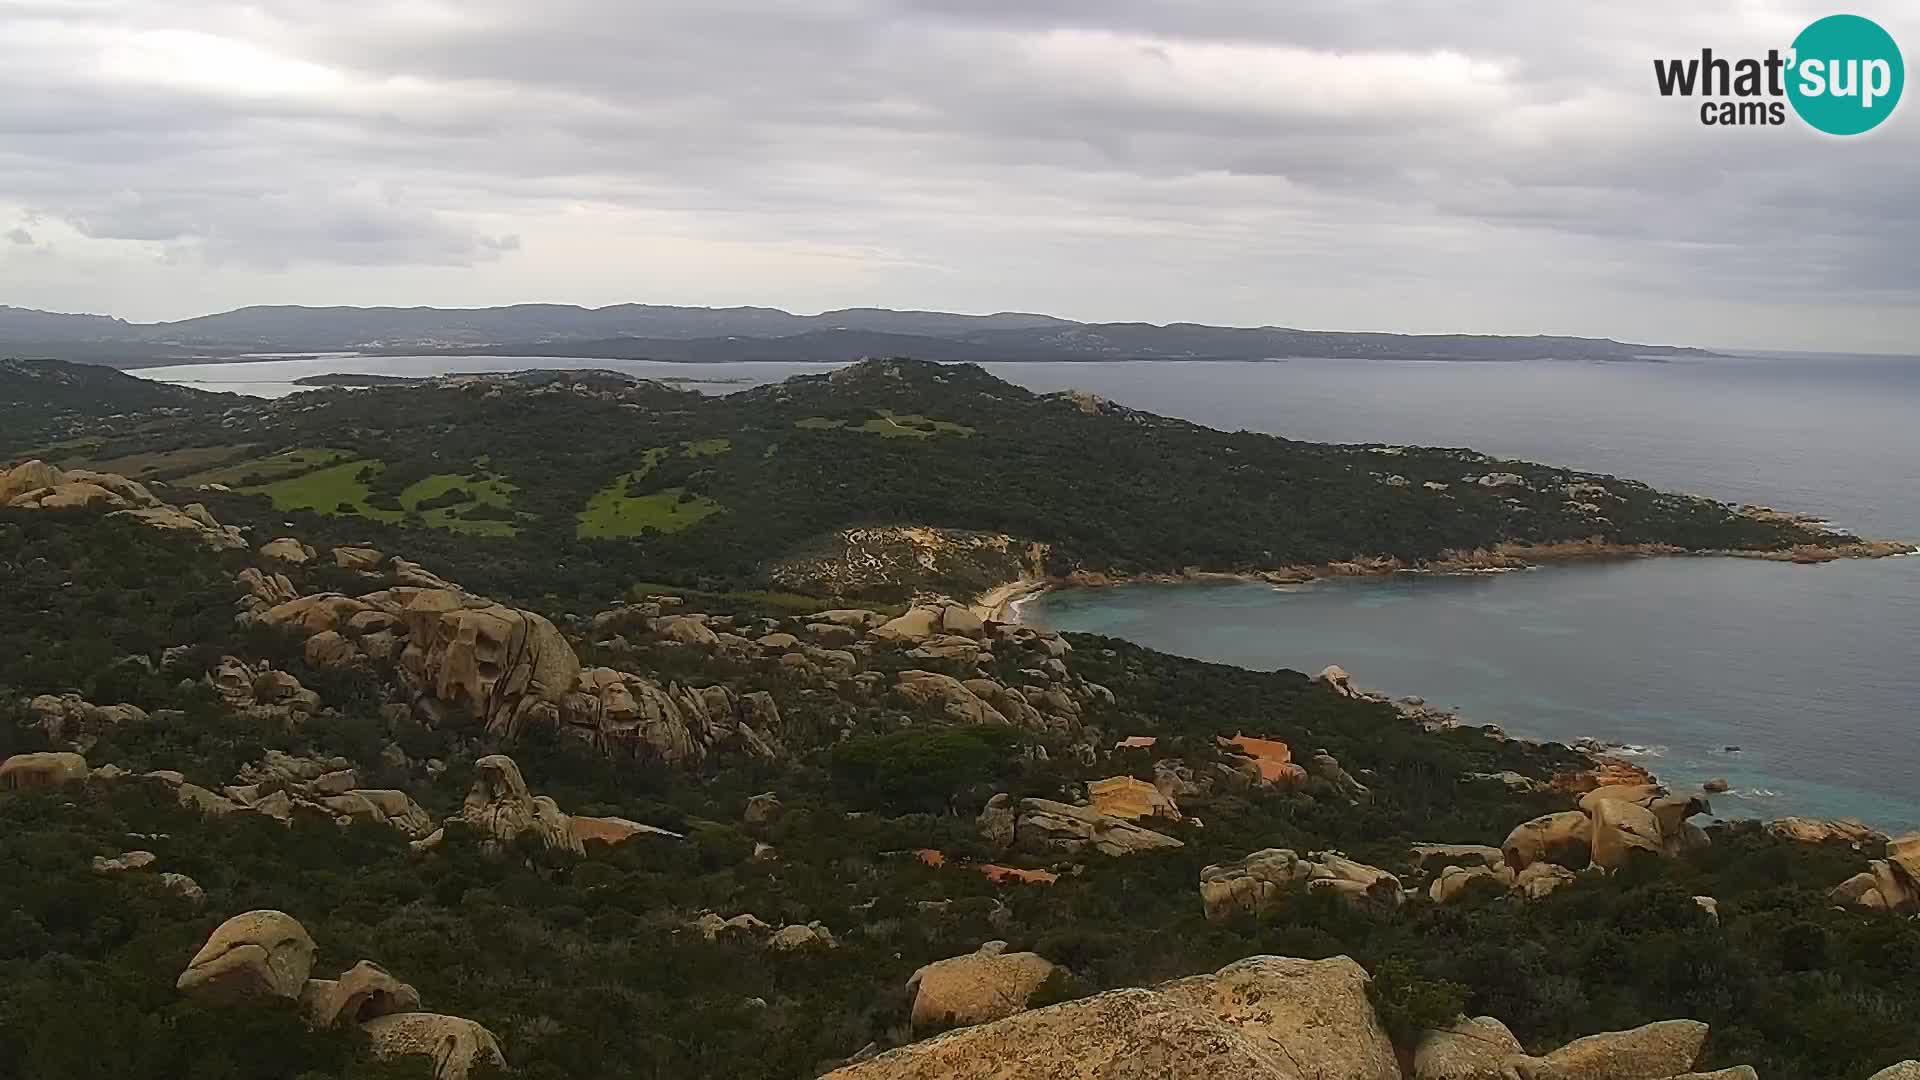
x=258, y=954
x=1564, y=839
x=978, y=987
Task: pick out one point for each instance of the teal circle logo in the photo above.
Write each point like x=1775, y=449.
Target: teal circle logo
x=1846, y=76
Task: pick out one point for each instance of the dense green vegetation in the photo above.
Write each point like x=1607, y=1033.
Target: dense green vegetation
x=585, y=967
x=1106, y=489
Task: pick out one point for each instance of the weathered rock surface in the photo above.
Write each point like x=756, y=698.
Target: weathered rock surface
x=455, y=1044
x=998, y=820
x=1125, y=797
x=503, y=810
x=1621, y=828
x=1815, y=831
x=1254, y=884
x=1474, y=1048
x=287, y=549
x=813, y=935
x=1541, y=880
x=1564, y=839
x=361, y=993
x=1456, y=882
x=1257, y=883
x=1264, y=1018
x=1426, y=856
x=254, y=955
x=355, y=557
x=36, y=485
x=976, y=988
x=1665, y=1049
x=1118, y=1035
x=1889, y=884
x=1272, y=760
x=612, y=830
x=1905, y=1070
x=497, y=664
x=626, y=716
x=125, y=861
x=1324, y=769
x=70, y=717
x=1045, y=825
x=947, y=694
x=36, y=772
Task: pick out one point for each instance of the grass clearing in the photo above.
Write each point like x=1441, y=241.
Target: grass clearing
x=484, y=491
x=339, y=490
x=613, y=513
x=336, y=489
x=261, y=472
x=706, y=448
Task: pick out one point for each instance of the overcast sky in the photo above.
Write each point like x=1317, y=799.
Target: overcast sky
x=1494, y=166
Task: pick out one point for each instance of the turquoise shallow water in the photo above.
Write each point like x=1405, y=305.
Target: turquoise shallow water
x=1810, y=670
x=1684, y=657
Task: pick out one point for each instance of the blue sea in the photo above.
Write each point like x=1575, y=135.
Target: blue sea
x=1808, y=670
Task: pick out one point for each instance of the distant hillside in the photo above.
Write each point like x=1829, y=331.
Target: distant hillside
x=744, y=333
x=817, y=346
x=26, y=324
x=840, y=484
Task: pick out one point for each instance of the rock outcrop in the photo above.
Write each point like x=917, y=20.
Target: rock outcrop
x=1473, y=1048
x=36, y=485
x=1669, y=1048
x=254, y=955
x=629, y=717
x=1258, y=883
x=1615, y=823
x=1271, y=759
x=455, y=1044
x=70, y=718
x=1264, y=1018
x=1126, y=797
x=1888, y=884
x=464, y=658
x=795, y=936
x=1815, y=831
x=503, y=810
x=976, y=988
x=1045, y=825
x=1563, y=839
x=361, y=993
x=287, y=549
x=263, y=955
x=35, y=772
x=357, y=557
x=123, y=862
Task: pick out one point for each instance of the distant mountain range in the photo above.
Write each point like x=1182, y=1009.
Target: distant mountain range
x=647, y=331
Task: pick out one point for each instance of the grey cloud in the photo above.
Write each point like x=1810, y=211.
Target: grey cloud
x=20, y=236
x=992, y=145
